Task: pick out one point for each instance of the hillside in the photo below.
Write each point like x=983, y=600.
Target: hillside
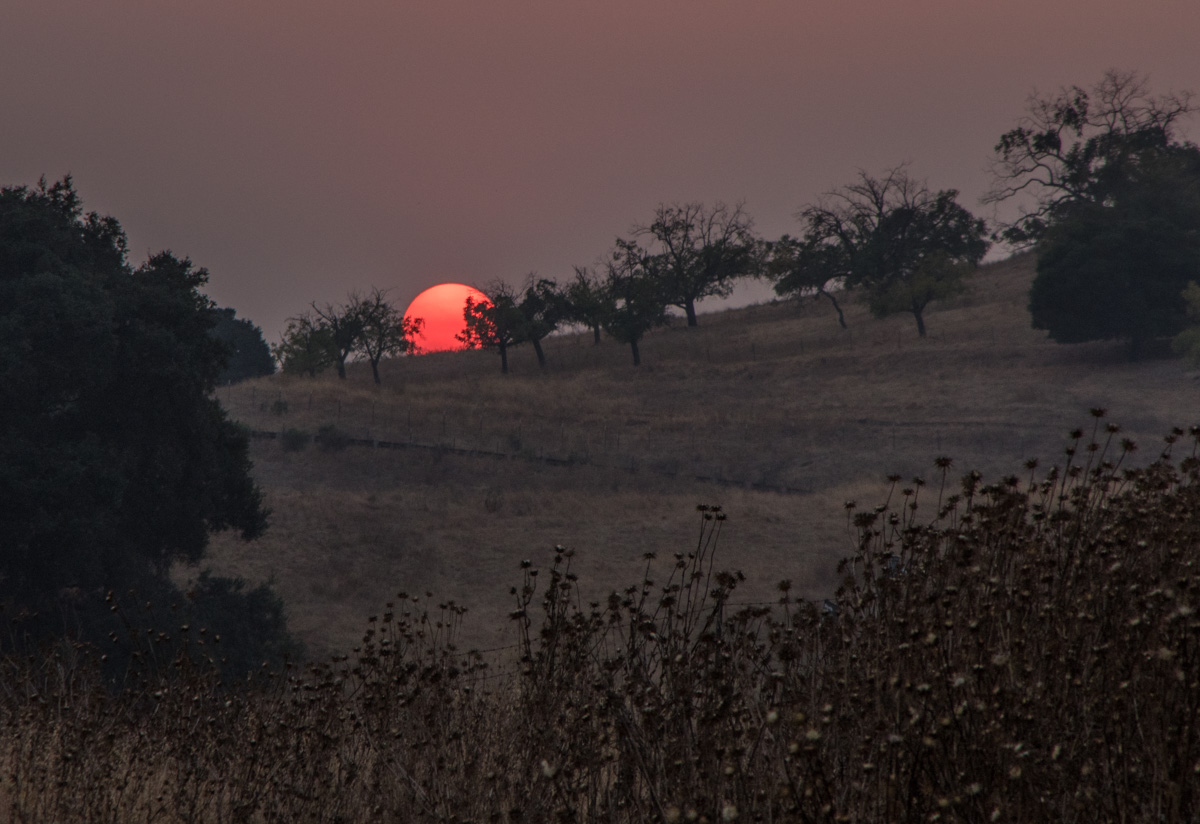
x=790, y=413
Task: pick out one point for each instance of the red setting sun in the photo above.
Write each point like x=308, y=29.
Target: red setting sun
x=441, y=307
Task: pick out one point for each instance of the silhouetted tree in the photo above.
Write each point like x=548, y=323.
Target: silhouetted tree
x=1079, y=147
x=248, y=353
x=343, y=324
x=884, y=233
x=586, y=301
x=1115, y=205
x=543, y=308
x=636, y=302
x=116, y=459
x=385, y=330
x=306, y=346
x=493, y=324
x=1116, y=270
x=802, y=268
x=699, y=252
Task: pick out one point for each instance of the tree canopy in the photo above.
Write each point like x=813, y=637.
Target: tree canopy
x=585, y=302
x=697, y=252
x=1115, y=204
x=903, y=243
x=542, y=308
x=306, y=346
x=635, y=298
x=385, y=331
x=248, y=353
x=1080, y=146
x=493, y=324
x=115, y=459
x=1116, y=270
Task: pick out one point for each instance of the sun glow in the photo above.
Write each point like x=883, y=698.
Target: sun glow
x=441, y=308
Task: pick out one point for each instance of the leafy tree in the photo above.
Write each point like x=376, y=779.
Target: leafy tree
x=385, y=330
x=636, y=302
x=801, y=268
x=585, y=301
x=699, y=252
x=249, y=355
x=543, y=308
x=904, y=244
x=116, y=461
x=493, y=324
x=1080, y=147
x=306, y=346
x=343, y=327
x=1115, y=270
x=1114, y=208
x=1187, y=342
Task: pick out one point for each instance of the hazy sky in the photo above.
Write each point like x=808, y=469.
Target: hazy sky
x=303, y=148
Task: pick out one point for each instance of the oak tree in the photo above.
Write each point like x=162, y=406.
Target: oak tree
x=698, y=252
x=385, y=331
x=496, y=323
x=116, y=459
x=636, y=303
x=901, y=242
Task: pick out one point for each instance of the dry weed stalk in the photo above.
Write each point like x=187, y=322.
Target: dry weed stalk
x=1026, y=651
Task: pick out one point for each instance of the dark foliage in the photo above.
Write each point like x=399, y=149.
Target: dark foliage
x=1079, y=147
x=699, y=252
x=496, y=323
x=1117, y=269
x=636, y=303
x=248, y=353
x=902, y=243
x=115, y=460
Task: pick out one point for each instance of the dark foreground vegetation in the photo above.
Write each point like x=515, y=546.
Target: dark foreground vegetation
x=1017, y=650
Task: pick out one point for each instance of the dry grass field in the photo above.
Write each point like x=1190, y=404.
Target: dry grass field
x=791, y=413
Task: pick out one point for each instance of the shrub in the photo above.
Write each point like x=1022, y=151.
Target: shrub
x=294, y=440
x=331, y=438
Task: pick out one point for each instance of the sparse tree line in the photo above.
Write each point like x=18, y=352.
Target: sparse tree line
x=328, y=335
x=1111, y=205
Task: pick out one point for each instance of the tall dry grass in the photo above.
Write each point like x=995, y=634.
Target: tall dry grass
x=1018, y=649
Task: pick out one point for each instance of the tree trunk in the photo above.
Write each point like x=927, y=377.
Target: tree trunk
x=689, y=306
x=596, y=333
x=541, y=356
x=503, y=359
x=837, y=307
x=341, y=367
x=375, y=371
x=637, y=358
x=917, y=313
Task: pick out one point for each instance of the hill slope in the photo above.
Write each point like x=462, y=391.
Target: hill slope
x=770, y=397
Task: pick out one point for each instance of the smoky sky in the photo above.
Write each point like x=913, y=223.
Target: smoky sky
x=299, y=150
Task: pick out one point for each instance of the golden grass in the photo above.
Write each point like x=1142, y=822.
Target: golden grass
x=773, y=395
